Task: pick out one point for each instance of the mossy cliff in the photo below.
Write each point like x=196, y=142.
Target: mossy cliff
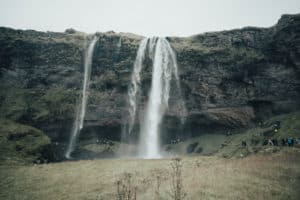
x=20, y=143
x=229, y=79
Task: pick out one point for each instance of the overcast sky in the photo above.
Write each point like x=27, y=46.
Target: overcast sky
x=144, y=17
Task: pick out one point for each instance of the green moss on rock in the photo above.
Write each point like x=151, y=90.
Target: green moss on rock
x=20, y=143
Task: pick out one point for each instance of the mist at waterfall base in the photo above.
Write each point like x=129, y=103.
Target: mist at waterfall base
x=163, y=70
x=80, y=114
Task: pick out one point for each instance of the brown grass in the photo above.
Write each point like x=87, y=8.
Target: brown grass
x=274, y=176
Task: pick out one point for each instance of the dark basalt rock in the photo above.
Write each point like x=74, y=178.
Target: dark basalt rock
x=191, y=148
x=229, y=79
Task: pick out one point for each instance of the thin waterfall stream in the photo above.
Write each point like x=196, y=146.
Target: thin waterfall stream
x=80, y=114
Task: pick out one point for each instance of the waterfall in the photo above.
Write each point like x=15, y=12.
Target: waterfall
x=119, y=45
x=164, y=68
x=181, y=107
x=135, y=83
x=80, y=114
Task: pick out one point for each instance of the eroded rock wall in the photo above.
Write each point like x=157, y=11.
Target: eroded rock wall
x=229, y=79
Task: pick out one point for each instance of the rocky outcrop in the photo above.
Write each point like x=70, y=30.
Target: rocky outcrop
x=229, y=79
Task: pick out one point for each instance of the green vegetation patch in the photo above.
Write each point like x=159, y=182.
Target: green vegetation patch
x=54, y=104
x=20, y=143
x=255, y=137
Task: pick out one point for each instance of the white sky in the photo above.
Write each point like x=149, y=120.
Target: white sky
x=144, y=17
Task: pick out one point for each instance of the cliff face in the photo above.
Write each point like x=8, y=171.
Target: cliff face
x=229, y=79
x=233, y=77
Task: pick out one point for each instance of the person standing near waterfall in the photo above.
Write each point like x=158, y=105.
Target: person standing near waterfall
x=270, y=142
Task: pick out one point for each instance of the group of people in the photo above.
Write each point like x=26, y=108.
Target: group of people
x=175, y=141
x=283, y=141
x=104, y=141
x=289, y=141
x=278, y=142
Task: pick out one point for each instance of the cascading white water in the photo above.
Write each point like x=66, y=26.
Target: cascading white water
x=80, y=114
x=164, y=67
x=181, y=107
x=119, y=45
x=152, y=43
x=158, y=101
x=135, y=83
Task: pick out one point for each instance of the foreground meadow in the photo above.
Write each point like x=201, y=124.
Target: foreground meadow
x=272, y=176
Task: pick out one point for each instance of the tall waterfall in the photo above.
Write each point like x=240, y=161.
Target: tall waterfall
x=135, y=83
x=80, y=114
x=164, y=67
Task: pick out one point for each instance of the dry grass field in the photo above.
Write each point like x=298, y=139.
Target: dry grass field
x=272, y=176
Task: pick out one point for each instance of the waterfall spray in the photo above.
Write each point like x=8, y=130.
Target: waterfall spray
x=80, y=114
x=164, y=68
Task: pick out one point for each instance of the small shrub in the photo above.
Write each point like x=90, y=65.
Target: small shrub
x=177, y=190
x=126, y=190
x=157, y=187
